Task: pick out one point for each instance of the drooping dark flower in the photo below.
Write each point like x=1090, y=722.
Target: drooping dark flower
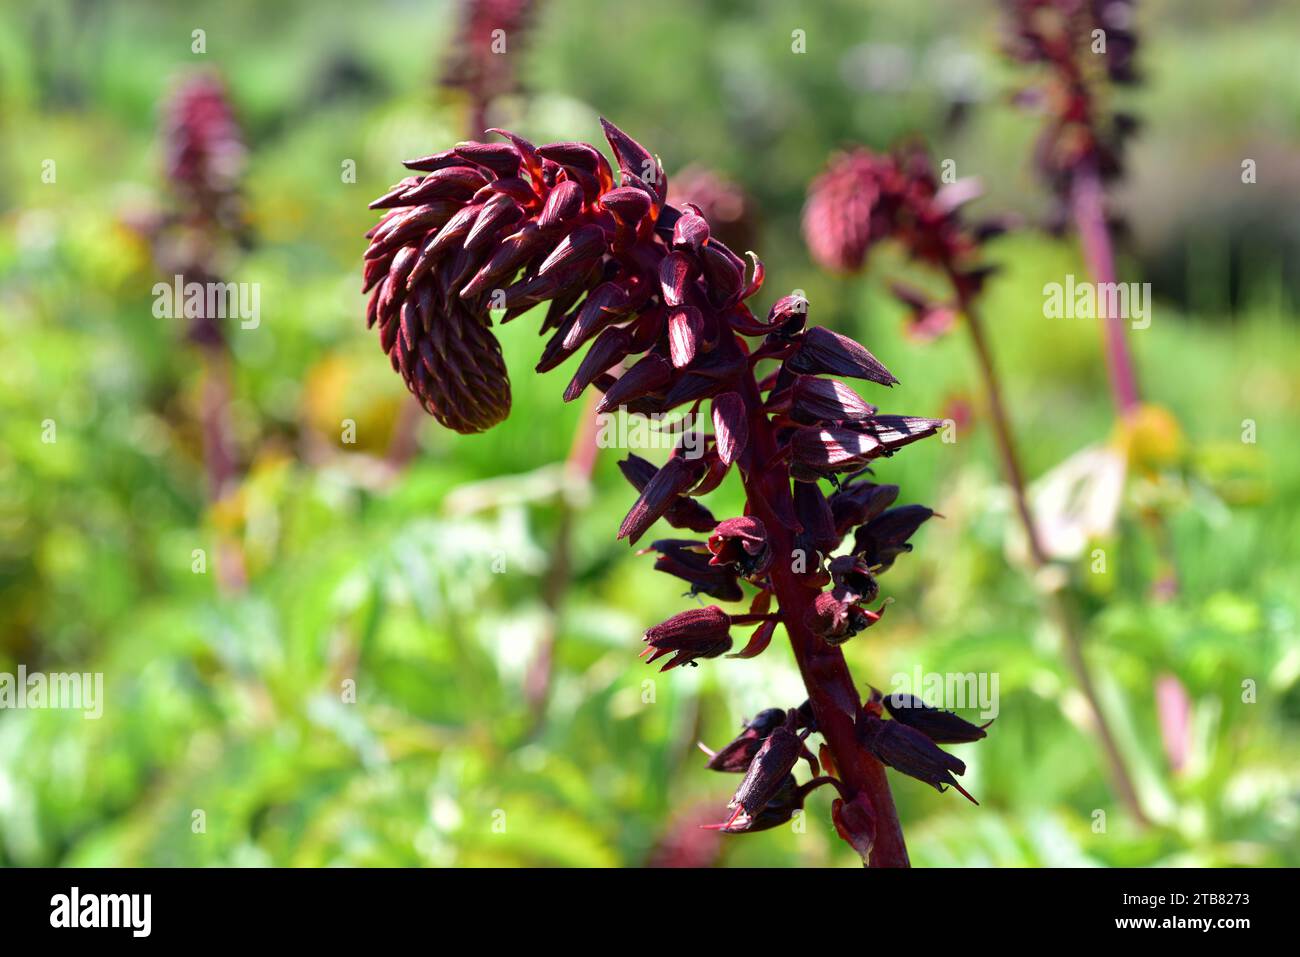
x=771, y=764
x=692, y=562
x=837, y=620
x=852, y=579
x=857, y=503
x=787, y=798
x=688, y=635
x=941, y=727
x=739, y=753
x=885, y=537
x=741, y=542
x=908, y=750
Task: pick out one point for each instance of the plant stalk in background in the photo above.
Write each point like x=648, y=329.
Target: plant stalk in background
x=204, y=159
x=1082, y=50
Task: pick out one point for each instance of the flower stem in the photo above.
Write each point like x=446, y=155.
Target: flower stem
x=219, y=460
x=1087, y=202
x=826, y=676
x=1088, y=205
x=1059, y=604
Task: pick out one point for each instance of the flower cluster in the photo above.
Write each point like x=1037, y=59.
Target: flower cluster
x=203, y=158
x=1082, y=46
x=204, y=151
x=658, y=303
x=864, y=198
x=771, y=744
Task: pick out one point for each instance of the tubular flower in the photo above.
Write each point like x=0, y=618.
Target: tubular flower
x=941, y=727
x=698, y=633
x=908, y=749
x=655, y=306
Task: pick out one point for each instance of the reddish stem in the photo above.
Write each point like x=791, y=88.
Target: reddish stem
x=219, y=459
x=826, y=676
x=1087, y=201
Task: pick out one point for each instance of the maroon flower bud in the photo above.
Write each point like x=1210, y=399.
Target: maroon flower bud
x=683, y=512
x=737, y=755
x=771, y=766
x=895, y=431
x=697, y=633
x=824, y=451
x=815, y=400
x=690, y=561
x=610, y=348
x=941, y=727
x=859, y=503
x=730, y=426
x=855, y=822
x=721, y=202
x=742, y=542
x=628, y=204
x=907, y=750
x=649, y=375
x=822, y=351
x=685, y=330
x=788, y=316
x=814, y=514
x=660, y=494
x=691, y=231
x=883, y=539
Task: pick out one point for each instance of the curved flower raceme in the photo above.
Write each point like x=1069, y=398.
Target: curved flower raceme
x=657, y=307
